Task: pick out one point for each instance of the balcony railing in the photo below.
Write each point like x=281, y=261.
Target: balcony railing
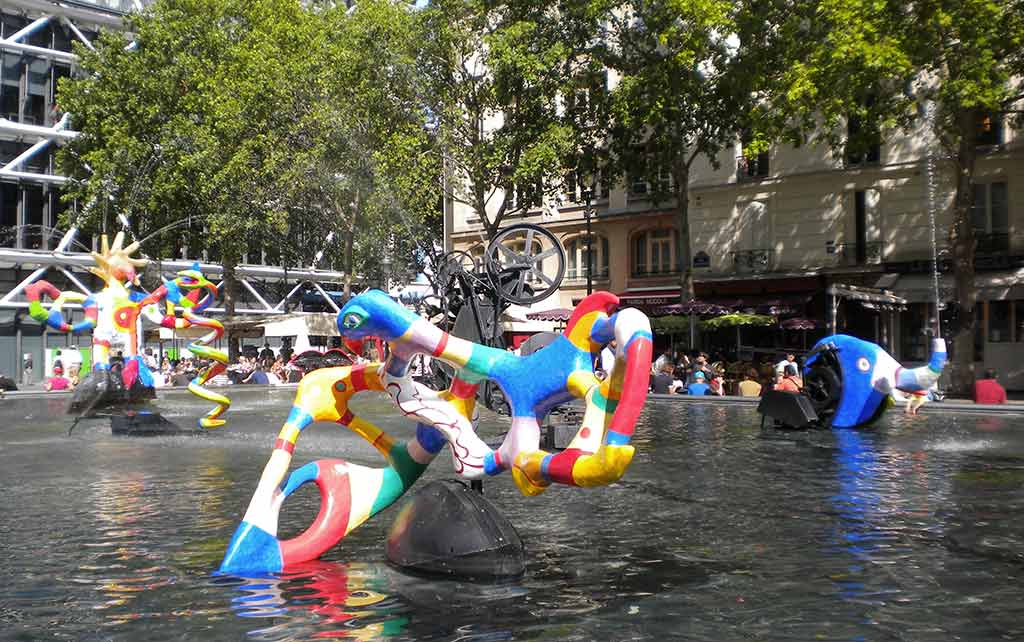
x=871, y=253
x=753, y=260
x=752, y=169
x=580, y=274
x=644, y=272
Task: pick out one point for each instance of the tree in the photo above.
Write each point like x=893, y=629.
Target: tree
x=256, y=121
x=687, y=82
x=196, y=117
x=497, y=75
x=889, y=63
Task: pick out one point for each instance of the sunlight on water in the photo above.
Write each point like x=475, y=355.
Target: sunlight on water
x=718, y=531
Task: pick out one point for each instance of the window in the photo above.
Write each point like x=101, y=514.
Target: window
x=576, y=257
x=990, y=217
x=999, y=322
x=754, y=166
x=654, y=252
x=638, y=186
x=989, y=129
x=863, y=142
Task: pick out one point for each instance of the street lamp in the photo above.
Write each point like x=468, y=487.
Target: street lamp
x=588, y=194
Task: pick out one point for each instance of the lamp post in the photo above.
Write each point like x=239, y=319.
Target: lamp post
x=588, y=194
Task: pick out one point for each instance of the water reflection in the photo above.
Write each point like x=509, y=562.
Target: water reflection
x=362, y=601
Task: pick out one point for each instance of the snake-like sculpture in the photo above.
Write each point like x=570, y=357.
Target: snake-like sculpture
x=112, y=314
x=350, y=494
x=188, y=294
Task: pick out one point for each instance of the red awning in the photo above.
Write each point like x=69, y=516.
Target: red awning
x=798, y=323
x=554, y=314
x=691, y=307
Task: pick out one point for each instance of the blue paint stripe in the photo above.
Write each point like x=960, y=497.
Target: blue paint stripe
x=299, y=418
x=544, y=465
x=613, y=438
x=491, y=467
x=640, y=334
x=430, y=438
x=603, y=329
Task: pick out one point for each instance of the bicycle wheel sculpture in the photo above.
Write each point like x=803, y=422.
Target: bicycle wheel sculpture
x=351, y=494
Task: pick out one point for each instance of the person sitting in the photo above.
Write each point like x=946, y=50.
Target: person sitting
x=988, y=390
x=698, y=387
x=750, y=387
x=661, y=382
x=57, y=381
x=788, y=381
x=257, y=376
x=717, y=384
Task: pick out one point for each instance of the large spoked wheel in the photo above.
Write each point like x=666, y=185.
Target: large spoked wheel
x=824, y=388
x=525, y=263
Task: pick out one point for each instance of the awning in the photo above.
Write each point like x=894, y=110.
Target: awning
x=554, y=314
x=868, y=297
x=663, y=296
x=991, y=286
x=313, y=324
x=799, y=323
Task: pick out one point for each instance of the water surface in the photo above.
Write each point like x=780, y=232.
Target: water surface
x=719, y=531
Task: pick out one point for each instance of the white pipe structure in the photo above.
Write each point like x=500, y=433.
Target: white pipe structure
x=100, y=16
x=57, y=132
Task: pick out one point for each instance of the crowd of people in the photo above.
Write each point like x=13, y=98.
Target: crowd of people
x=674, y=371
x=696, y=373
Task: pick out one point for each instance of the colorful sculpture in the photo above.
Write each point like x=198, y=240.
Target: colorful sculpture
x=351, y=494
x=861, y=376
x=113, y=315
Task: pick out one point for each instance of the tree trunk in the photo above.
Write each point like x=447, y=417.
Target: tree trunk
x=350, y=248
x=685, y=262
x=230, y=290
x=962, y=241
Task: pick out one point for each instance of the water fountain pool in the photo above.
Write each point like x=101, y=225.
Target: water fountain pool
x=913, y=530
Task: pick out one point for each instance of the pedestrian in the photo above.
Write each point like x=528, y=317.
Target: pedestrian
x=57, y=381
x=988, y=390
x=698, y=387
x=750, y=387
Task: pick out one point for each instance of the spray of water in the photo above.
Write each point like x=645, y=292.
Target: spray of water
x=932, y=186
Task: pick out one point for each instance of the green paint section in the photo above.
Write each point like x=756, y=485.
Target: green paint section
x=398, y=478
x=471, y=377
x=38, y=312
x=481, y=361
x=605, y=404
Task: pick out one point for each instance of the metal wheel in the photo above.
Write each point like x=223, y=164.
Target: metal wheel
x=525, y=263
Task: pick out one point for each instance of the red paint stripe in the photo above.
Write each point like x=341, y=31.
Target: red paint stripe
x=285, y=445
x=560, y=468
x=332, y=521
x=441, y=345
x=379, y=437
x=346, y=419
x=359, y=377
x=634, y=387
x=102, y=342
x=497, y=460
x=463, y=389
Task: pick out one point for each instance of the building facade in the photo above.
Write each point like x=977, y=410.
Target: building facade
x=843, y=240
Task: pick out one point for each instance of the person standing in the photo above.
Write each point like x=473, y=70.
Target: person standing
x=790, y=360
x=73, y=360
x=661, y=383
x=608, y=358
x=988, y=390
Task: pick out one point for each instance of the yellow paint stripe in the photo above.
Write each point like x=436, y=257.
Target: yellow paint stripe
x=289, y=433
x=368, y=481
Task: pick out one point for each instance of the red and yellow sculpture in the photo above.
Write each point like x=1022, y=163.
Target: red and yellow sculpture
x=113, y=315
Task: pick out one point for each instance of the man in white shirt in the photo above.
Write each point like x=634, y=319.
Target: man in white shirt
x=790, y=360
x=72, y=360
x=608, y=358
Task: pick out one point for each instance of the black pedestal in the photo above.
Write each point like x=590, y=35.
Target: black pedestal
x=449, y=529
